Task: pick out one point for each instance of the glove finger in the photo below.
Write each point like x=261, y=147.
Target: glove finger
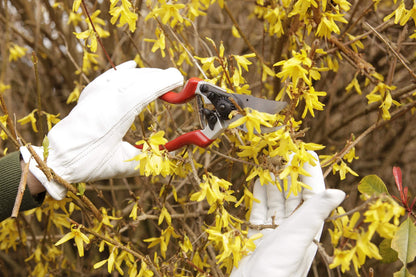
x=126, y=65
x=292, y=201
x=276, y=202
x=292, y=238
x=259, y=211
x=315, y=180
x=109, y=107
x=118, y=166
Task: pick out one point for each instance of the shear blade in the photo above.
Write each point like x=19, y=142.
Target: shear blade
x=259, y=104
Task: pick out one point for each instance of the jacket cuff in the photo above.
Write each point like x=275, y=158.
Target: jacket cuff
x=10, y=175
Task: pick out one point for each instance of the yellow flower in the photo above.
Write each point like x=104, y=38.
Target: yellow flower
x=215, y=190
x=51, y=119
x=158, y=43
x=312, y=101
x=168, y=13
x=294, y=169
x=3, y=120
x=354, y=84
x=90, y=34
x=343, y=169
x=253, y=121
x=294, y=68
x=89, y=62
x=381, y=213
x=381, y=93
x=30, y=118
x=4, y=87
x=74, y=18
x=327, y=26
x=78, y=236
x=124, y=13
x=342, y=258
x=74, y=95
x=164, y=215
x=16, y=52
x=399, y=14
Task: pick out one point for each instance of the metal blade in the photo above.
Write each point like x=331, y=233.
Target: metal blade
x=259, y=104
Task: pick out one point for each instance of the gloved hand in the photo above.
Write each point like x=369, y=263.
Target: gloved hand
x=289, y=249
x=87, y=144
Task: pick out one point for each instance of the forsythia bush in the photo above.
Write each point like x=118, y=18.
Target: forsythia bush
x=346, y=69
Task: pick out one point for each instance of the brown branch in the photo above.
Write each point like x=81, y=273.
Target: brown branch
x=38, y=97
x=51, y=175
x=9, y=133
x=393, y=50
x=370, y=129
x=359, y=62
x=237, y=26
x=84, y=8
x=119, y=245
x=21, y=190
x=12, y=133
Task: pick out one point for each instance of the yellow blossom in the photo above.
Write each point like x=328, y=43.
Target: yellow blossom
x=4, y=87
x=354, y=84
x=253, y=120
x=78, y=236
x=295, y=68
x=342, y=258
x=16, y=52
x=124, y=13
x=294, y=169
x=90, y=34
x=74, y=95
x=158, y=43
x=3, y=120
x=30, y=118
x=327, y=26
x=399, y=14
x=312, y=101
x=168, y=13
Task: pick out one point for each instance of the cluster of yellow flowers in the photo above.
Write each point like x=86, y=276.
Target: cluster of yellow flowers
x=352, y=236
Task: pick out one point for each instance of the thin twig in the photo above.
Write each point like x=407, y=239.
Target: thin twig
x=51, y=175
x=350, y=212
x=395, y=52
x=84, y=7
x=9, y=134
x=38, y=97
x=237, y=26
x=189, y=53
x=370, y=129
x=21, y=190
x=4, y=109
x=119, y=245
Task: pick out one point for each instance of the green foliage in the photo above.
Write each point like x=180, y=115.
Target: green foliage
x=372, y=185
x=404, y=244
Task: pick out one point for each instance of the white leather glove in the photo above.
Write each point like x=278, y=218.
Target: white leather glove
x=87, y=144
x=289, y=249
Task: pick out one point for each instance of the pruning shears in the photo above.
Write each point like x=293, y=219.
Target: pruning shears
x=215, y=105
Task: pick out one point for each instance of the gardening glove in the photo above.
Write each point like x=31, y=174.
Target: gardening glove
x=288, y=250
x=87, y=144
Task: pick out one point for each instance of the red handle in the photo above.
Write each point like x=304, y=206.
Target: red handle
x=195, y=137
x=187, y=93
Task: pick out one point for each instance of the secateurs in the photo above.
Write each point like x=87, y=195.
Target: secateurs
x=214, y=120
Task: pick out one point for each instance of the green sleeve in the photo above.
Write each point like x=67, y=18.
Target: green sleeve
x=10, y=174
